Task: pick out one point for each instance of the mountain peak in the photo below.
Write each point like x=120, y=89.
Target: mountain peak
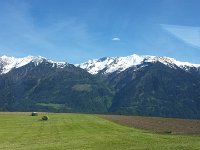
x=109, y=65
x=7, y=63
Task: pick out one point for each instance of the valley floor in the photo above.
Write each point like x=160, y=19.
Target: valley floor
x=20, y=131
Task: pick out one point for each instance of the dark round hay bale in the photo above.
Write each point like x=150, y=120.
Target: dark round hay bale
x=45, y=118
x=34, y=114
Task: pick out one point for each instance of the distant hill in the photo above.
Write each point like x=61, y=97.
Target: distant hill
x=50, y=87
x=150, y=85
x=132, y=85
x=157, y=90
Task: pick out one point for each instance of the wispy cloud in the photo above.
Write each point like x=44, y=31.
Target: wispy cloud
x=188, y=34
x=116, y=39
x=22, y=34
x=18, y=26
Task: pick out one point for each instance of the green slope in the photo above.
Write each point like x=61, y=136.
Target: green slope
x=157, y=90
x=70, y=87
x=77, y=131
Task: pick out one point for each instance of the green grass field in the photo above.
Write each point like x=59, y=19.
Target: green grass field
x=20, y=131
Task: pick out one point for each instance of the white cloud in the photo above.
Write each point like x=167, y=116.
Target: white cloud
x=188, y=34
x=116, y=39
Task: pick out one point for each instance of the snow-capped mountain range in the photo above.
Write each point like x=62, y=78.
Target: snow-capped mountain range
x=8, y=63
x=104, y=65
x=109, y=65
x=132, y=85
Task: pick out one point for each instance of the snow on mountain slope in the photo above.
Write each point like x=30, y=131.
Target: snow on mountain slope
x=8, y=63
x=111, y=64
x=104, y=65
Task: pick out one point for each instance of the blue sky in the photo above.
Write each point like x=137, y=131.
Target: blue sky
x=77, y=30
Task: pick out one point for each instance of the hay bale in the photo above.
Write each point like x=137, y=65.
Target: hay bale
x=45, y=118
x=34, y=114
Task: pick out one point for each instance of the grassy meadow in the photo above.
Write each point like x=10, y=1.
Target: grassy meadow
x=20, y=131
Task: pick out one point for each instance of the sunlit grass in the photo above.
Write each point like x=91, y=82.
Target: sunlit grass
x=81, y=131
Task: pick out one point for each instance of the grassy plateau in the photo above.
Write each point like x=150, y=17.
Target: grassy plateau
x=20, y=131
